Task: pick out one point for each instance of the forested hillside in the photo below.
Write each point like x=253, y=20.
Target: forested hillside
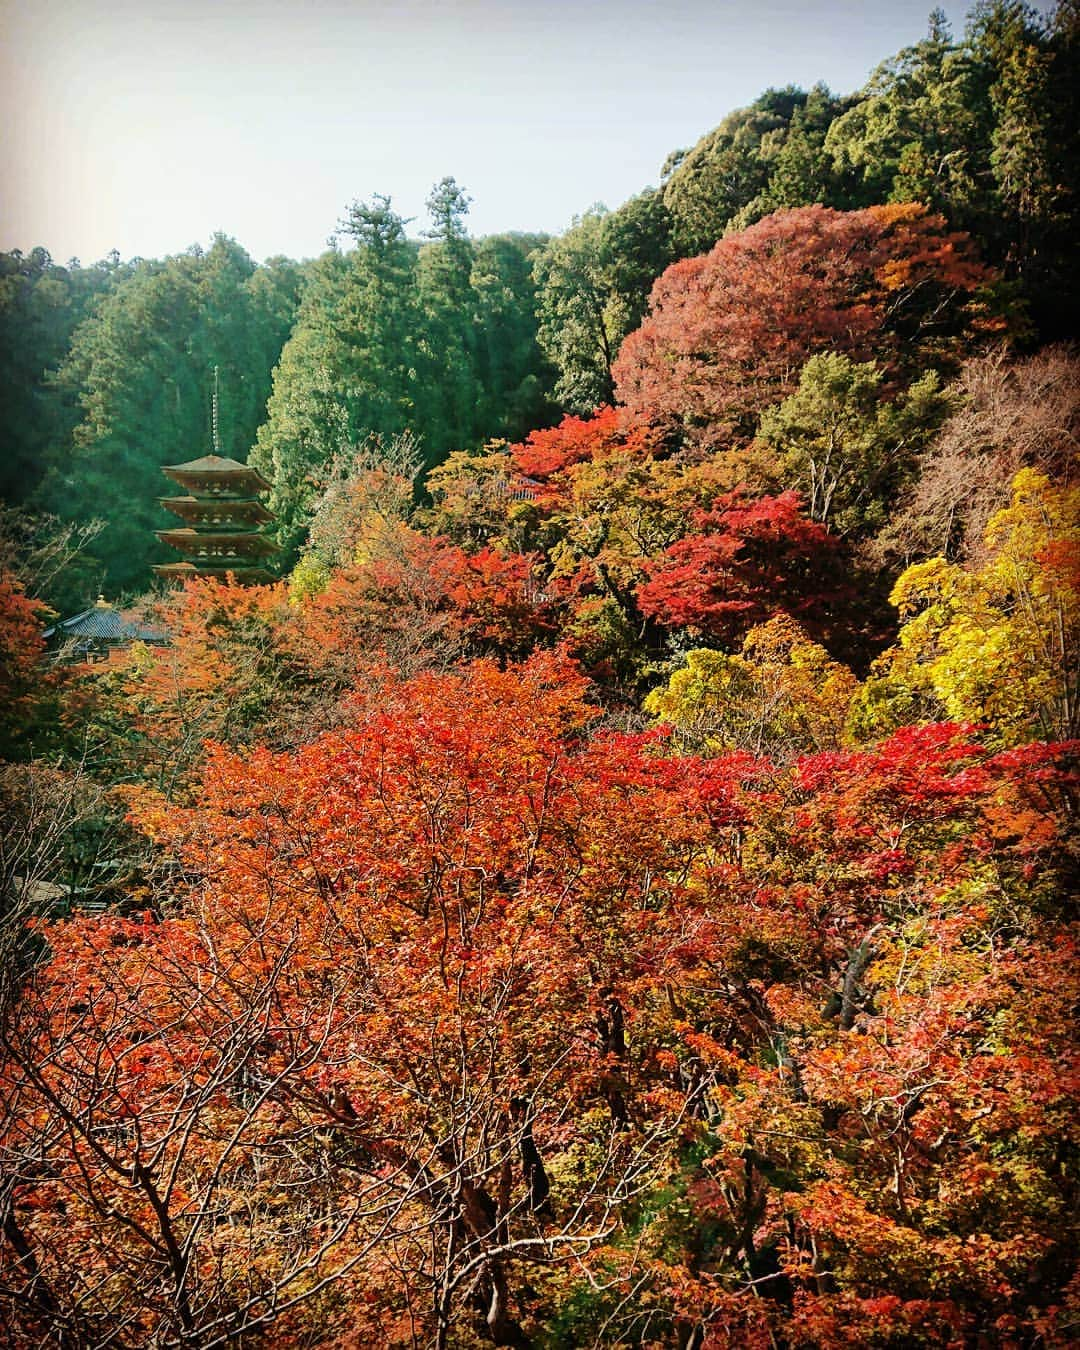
x=615, y=887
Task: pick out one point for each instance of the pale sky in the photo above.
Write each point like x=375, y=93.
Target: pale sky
x=145, y=126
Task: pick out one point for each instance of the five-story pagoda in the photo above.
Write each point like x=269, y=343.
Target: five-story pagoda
x=222, y=514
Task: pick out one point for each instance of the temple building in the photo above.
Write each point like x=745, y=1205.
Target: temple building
x=97, y=633
x=222, y=516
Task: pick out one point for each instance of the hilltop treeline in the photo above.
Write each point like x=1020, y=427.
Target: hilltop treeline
x=108, y=369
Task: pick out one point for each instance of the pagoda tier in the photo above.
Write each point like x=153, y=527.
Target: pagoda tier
x=180, y=571
x=215, y=545
x=221, y=514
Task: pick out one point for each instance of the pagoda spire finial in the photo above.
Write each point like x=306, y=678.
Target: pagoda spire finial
x=214, y=415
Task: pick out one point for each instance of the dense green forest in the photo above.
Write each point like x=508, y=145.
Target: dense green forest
x=615, y=885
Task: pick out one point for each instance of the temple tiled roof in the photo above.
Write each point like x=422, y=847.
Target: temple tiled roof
x=103, y=623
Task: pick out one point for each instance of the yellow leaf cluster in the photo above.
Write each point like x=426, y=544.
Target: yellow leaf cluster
x=996, y=644
x=782, y=694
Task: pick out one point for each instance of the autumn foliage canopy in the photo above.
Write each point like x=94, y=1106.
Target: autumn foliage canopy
x=592, y=902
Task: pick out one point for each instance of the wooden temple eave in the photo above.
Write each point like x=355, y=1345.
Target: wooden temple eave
x=224, y=485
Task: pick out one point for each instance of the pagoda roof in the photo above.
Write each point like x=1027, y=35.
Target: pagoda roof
x=210, y=464
x=216, y=468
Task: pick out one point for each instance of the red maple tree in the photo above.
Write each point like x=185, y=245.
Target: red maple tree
x=728, y=332
x=750, y=560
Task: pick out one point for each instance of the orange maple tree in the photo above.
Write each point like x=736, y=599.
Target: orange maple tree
x=456, y=995
x=21, y=649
